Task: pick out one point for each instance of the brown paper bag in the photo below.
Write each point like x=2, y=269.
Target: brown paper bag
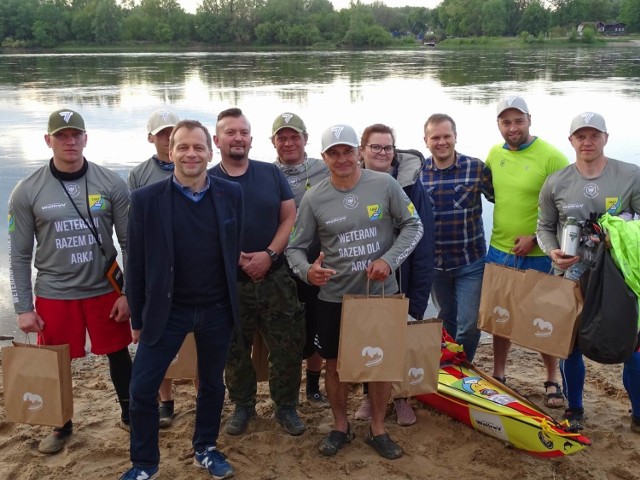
x=185, y=364
x=373, y=333
x=260, y=358
x=547, y=317
x=499, y=299
x=422, y=359
x=37, y=384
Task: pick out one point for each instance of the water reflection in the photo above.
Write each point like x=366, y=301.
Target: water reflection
x=117, y=92
x=91, y=75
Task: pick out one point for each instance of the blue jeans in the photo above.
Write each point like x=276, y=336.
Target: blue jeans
x=541, y=264
x=456, y=295
x=573, y=375
x=212, y=328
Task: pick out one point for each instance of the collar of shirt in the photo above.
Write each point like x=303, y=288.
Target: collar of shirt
x=189, y=193
x=289, y=170
x=431, y=165
x=521, y=147
x=166, y=166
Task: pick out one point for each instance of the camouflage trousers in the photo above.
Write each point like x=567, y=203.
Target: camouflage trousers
x=272, y=308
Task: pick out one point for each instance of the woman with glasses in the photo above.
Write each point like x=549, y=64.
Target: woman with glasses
x=415, y=275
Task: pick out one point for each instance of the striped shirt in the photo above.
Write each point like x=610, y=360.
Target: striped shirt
x=457, y=206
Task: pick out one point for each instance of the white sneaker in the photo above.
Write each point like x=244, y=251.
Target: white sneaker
x=364, y=412
x=404, y=412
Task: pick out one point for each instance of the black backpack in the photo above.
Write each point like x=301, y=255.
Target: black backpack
x=608, y=330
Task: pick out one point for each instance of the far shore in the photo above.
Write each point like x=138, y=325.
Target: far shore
x=452, y=43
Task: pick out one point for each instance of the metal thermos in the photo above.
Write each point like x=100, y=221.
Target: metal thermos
x=570, y=238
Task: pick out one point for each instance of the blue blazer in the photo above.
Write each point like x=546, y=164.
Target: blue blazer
x=150, y=251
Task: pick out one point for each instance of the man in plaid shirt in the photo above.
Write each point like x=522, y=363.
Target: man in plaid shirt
x=455, y=183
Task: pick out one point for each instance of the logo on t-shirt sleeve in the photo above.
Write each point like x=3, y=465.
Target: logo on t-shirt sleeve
x=412, y=210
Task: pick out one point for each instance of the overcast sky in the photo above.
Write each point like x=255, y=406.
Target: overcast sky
x=191, y=5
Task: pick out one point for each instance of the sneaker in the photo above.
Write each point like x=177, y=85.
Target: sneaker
x=404, y=412
x=364, y=412
x=124, y=425
x=289, y=419
x=239, y=419
x=166, y=414
x=136, y=473
x=574, y=416
x=55, y=441
x=214, y=462
x=335, y=441
x=317, y=399
x=635, y=424
x=383, y=444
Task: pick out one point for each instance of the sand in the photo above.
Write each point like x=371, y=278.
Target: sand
x=435, y=447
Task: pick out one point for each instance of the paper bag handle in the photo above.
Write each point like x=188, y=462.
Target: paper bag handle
x=368, y=288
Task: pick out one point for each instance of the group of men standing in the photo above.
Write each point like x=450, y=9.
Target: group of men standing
x=251, y=248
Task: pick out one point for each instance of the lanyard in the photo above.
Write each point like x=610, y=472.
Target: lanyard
x=90, y=225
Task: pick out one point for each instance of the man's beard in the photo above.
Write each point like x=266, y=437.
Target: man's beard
x=236, y=156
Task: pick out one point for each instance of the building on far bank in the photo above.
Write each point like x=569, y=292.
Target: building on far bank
x=604, y=28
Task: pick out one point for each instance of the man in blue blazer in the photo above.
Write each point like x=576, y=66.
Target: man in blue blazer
x=183, y=251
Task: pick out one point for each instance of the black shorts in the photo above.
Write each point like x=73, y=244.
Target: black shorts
x=328, y=328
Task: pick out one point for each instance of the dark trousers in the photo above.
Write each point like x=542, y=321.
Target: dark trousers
x=212, y=327
x=272, y=308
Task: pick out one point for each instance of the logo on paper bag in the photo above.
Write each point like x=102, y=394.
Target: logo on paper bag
x=502, y=314
x=33, y=400
x=545, y=329
x=416, y=375
x=373, y=356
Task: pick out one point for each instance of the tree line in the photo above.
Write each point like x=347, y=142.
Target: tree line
x=49, y=23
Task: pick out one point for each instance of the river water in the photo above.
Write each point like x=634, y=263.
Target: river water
x=115, y=93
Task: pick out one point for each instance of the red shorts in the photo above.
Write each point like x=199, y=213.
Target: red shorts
x=68, y=321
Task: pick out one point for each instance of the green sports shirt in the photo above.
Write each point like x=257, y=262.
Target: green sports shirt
x=518, y=177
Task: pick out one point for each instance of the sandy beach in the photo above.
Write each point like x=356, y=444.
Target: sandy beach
x=435, y=447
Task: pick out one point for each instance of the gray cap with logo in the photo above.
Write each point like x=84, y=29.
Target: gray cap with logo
x=288, y=120
x=588, y=119
x=65, y=118
x=339, y=135
x=161, y=119
x=512, y=101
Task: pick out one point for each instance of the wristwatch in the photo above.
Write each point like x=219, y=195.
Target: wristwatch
x=272, y=254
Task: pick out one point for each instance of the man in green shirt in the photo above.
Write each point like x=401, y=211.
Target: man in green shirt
x=519, y=167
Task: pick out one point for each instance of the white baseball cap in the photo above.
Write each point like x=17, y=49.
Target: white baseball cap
x=512, y=101
x=588, y=119
x=161, y=119
x=339, y=135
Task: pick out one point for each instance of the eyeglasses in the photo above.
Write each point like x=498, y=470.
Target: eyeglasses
x=375, y=148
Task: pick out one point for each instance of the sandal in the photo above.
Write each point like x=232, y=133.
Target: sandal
x=550, y=396
x=502, y=380
x=335, y=441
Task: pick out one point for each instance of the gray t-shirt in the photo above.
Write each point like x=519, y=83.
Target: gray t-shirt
x=355, y=228
x=566, y=193
x=304, y=176
x=146, y=173
x=68, y=261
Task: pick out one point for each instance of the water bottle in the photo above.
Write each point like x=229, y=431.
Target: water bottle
x=570, y=238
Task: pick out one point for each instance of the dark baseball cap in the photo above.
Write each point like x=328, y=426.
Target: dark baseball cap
x=65, y=118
